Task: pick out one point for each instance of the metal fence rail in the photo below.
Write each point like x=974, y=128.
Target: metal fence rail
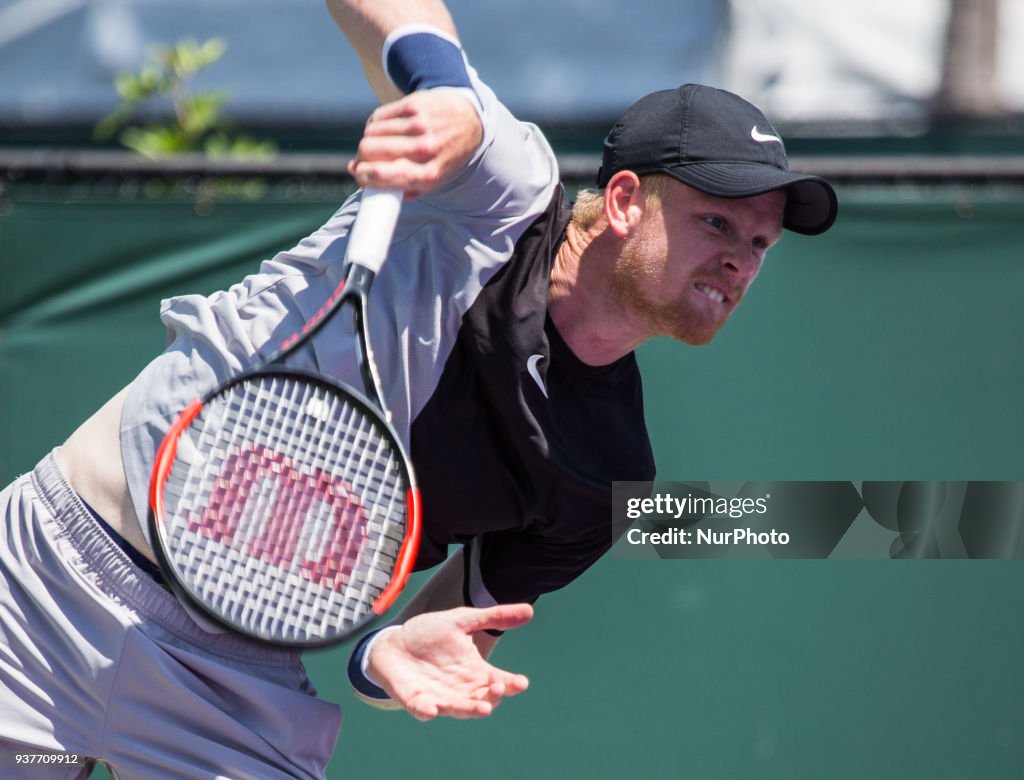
x=71, y=164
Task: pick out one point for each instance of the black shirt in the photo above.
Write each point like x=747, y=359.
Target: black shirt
x=518, y=446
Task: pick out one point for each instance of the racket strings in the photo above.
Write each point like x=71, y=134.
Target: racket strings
x=285, y=508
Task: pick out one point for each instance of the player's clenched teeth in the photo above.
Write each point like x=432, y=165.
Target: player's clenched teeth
x=710, y=292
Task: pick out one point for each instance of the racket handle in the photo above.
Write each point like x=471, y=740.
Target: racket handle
x=373, y=228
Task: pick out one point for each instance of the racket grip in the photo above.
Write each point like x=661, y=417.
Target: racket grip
x=373, y=228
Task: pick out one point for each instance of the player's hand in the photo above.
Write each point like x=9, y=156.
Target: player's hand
x=431, y=666
x=416, y=143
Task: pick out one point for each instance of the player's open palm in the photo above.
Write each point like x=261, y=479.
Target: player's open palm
x=432, y=666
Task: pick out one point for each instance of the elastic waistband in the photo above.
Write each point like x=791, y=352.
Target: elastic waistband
x=102, y=562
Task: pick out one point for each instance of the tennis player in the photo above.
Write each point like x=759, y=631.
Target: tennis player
x=503, y=324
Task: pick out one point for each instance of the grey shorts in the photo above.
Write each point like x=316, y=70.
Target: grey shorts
x=98, y=660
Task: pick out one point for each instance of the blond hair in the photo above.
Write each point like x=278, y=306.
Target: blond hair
x=589, y=206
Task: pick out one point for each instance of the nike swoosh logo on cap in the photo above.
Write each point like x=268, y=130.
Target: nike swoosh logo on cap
x=763, y=138
x=531, y=369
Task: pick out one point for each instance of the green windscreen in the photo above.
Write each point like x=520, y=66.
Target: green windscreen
x=888, y=349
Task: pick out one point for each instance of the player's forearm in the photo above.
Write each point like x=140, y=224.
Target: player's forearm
x=367, y=23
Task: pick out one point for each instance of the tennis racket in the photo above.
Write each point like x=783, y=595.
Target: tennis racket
x=282, y=504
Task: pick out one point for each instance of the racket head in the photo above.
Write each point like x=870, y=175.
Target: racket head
x=283, y=506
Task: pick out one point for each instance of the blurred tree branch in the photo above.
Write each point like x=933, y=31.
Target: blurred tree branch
x=198, y=121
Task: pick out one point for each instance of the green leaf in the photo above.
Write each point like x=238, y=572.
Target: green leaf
x=155, y=141
x=202, y=112
x=161, y=56
x=199, y=120
x=130, y=87
x=190, y=57
x=110, y=124
x=221, y=145
x=213, y=50
x=183, y=61
x=154, y=79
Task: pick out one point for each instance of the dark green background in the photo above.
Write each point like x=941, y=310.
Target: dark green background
x=888, y=349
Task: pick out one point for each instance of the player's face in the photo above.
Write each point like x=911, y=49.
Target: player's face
x=690, y=262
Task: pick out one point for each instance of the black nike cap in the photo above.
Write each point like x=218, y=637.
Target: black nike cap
x=720, y=144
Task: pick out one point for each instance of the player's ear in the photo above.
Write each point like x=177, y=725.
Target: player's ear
x=623, y=203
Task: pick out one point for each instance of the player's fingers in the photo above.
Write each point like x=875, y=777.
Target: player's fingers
x=497, y=691
x=448, y=703
x=426, y=706
x=419, y=148
x=501, y=617
x=514, y=683
x=402, y=107
x=425, y=104
x=500, y=686
x=422, y=707
x=397, y=174
x=463, y=708
x=397, y=126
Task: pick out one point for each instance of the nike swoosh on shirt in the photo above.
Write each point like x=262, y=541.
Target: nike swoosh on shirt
x=531, y=369
x=763, y=138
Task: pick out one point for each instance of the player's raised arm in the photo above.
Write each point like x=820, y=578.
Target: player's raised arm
x=367, y=24
x=409, y=48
